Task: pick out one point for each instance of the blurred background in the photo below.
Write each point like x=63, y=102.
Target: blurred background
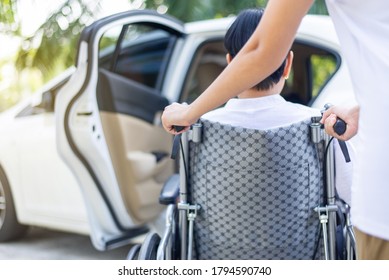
x=38, y=38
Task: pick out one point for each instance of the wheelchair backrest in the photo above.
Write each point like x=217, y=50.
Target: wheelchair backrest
x=257, y=190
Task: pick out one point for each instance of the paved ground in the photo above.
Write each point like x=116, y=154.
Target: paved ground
x=42, y=244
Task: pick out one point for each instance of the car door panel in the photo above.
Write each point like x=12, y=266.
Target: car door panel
x=127, y=108
x=140, y=176
x=120, y=95
x=108, y=135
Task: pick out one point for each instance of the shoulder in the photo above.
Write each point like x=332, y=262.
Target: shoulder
x=211, y=115
x=302, y=109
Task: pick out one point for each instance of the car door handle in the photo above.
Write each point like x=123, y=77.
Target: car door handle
x=84, y=113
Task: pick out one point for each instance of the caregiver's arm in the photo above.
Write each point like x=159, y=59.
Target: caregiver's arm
x=261, y=55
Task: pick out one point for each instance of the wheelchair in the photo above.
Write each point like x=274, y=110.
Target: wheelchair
x=251, y=194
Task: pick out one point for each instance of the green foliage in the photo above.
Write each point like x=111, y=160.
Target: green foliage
x=8, y=10
x=319, y=8
x=53, y=47
x=56, y=39
x=46, y=53
x=193, y=10
x=322, y=69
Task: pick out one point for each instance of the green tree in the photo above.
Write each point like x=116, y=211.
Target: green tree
x=193, y=10
x=53, y=44
x=7, y=16
x=319, y=8
x=54, y=41
x=50, y=50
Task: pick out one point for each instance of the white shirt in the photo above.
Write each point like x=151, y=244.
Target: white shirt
x=363, y=30
x=274, y=111
x=261, y=113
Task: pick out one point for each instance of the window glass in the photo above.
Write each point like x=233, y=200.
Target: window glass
x=323, y=66
x=313, y=66
x=138, y=52
x=108, y=43
x=207, y=63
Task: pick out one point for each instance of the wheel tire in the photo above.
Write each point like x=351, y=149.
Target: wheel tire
x=133, y=254
x=10, y=229
x=148, y=250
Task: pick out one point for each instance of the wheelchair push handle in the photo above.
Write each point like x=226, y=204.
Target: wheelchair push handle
x=176, y=141
x=340, y=127
x=178, y=128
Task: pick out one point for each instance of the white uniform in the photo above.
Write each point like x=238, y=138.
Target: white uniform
x=363, y=30
x=274, y=111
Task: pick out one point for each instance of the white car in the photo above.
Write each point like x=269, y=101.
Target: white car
x=88, y=154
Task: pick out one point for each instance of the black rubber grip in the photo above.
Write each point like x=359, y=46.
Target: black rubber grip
x=340, y=126
x=176, y=141
x=178, y=128
x=176, y=146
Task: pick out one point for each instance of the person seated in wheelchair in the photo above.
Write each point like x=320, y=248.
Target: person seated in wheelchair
x=262, y=107
x=252, y=176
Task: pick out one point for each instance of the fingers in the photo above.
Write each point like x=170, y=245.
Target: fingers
x=349, y=114
x=172, y=116
x=326, y=114
x=165, y=120
x=329, y=122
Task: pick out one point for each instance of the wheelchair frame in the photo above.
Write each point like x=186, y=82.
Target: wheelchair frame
x=179, y=237
x=327, y=213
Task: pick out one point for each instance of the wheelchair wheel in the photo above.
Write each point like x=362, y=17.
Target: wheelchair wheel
x=148, y=250
x=133, y=254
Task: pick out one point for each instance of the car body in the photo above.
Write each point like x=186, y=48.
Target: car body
x=87, y=154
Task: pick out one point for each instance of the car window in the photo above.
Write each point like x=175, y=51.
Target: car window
x=138, y=52
x=313, y=66
x=132, y=63
x=207, y=63
x=323, y=66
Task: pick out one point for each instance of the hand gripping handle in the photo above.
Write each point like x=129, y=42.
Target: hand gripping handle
x=340, y=127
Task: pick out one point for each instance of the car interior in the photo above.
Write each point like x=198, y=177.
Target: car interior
x=130, y=104
x=312, y=68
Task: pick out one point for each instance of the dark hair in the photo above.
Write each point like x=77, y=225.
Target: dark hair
x=238, y=34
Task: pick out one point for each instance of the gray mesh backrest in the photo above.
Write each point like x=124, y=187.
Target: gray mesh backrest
x=257, y=190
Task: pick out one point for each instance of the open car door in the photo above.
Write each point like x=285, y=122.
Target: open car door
x=108, y=115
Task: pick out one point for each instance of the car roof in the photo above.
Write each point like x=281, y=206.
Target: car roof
x=210, y=25
x=313, y=26
x=319, y=26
